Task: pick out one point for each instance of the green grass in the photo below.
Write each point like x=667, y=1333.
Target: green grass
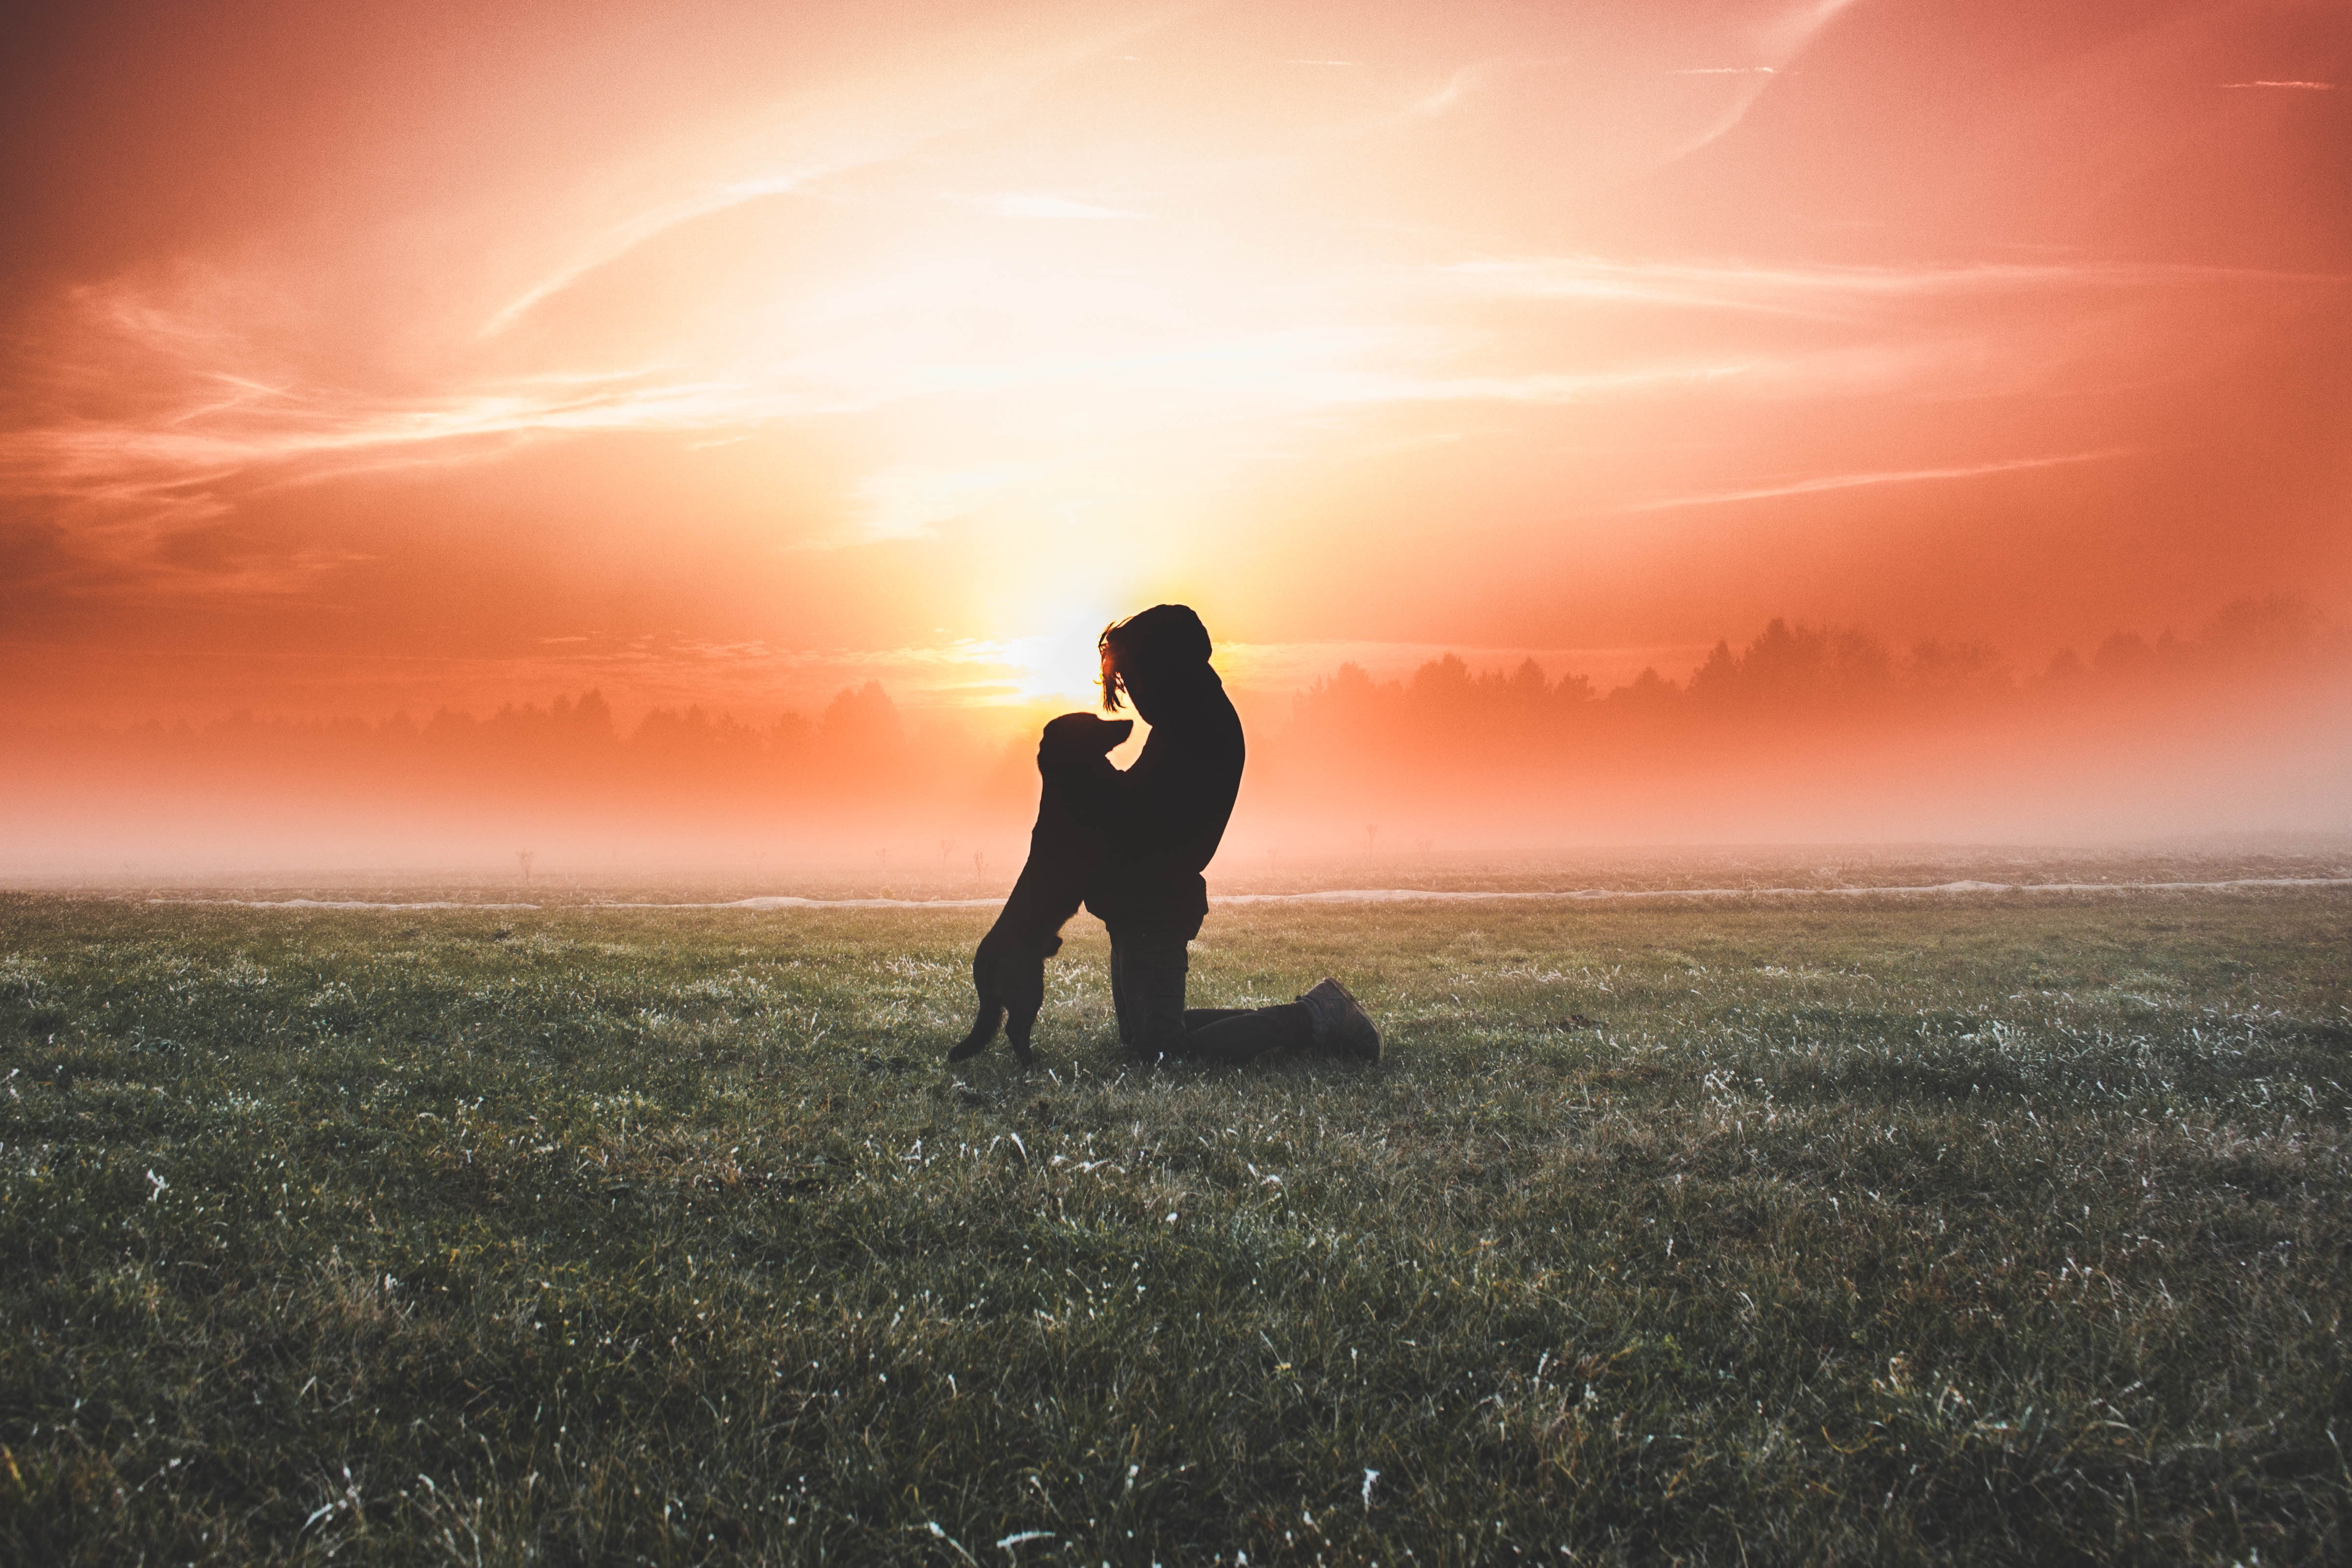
x=2010, y=1228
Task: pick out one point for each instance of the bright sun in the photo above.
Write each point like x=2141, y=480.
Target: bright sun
x=1059, y=663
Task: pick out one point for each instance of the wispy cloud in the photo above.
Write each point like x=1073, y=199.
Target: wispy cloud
x=1107, y=356
x=212, y=427
x=1456, y=89
x=1893, y=476
x=795, y=145
x=1794, y=28
x=1344, y=387
x=206, y=443
x=1780, y=42
x=1045, y=205
x=2295, y=85
x=1785, y=289
x=631, y=232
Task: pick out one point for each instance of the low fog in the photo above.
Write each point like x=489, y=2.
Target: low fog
x=1797, y=735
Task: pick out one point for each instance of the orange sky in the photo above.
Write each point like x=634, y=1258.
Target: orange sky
x=378, y=355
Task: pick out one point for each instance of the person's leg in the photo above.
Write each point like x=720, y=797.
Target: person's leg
x=1242, y=1034
x=1153, y=970
x=1147, y=977
x=1122, y=1006
x=1327, y=1017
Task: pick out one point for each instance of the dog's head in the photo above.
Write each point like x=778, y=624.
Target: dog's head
x=1080, y=738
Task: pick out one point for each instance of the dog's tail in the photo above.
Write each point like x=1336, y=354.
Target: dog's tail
x=989, y=1018
x=983, y=1032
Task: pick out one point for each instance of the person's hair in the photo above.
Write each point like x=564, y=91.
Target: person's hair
x=1166, y=637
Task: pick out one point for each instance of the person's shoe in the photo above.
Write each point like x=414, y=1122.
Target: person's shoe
x=1340, y=1023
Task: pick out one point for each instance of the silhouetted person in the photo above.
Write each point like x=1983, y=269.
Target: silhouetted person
x=1162, y=819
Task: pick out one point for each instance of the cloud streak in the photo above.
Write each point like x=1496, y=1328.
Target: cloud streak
x=1801, y=289
x=799, y=144
x=1893, y=476
x=1782, y=41
x=232, y=415
x=640, y=227
x=1045, y=205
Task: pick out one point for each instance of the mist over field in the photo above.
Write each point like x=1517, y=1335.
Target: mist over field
x=1800, y=734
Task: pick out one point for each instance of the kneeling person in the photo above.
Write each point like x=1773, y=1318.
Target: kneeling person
x=1161, y=821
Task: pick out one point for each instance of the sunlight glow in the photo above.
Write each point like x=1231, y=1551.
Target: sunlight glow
x=958, y=334
x=1060, y=663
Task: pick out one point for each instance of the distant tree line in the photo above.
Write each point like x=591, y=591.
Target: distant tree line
x=857, y=757
x=1798, y=673
x=1445, y=730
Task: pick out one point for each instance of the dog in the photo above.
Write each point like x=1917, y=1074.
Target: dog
x=1009, y=969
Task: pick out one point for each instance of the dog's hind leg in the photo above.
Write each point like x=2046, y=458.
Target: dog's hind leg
x=1024, y=994
x=1017, y=1027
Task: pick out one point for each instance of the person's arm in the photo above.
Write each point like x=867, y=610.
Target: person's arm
x=1152, y=808
x=1098, y=796
x=1092, y=791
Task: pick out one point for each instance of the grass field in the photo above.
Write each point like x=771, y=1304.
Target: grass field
x=1995, y=1228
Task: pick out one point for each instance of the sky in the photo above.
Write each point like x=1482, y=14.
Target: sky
x=386, y=356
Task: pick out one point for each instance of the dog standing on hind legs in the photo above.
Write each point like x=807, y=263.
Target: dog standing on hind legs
x=1009, y=969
